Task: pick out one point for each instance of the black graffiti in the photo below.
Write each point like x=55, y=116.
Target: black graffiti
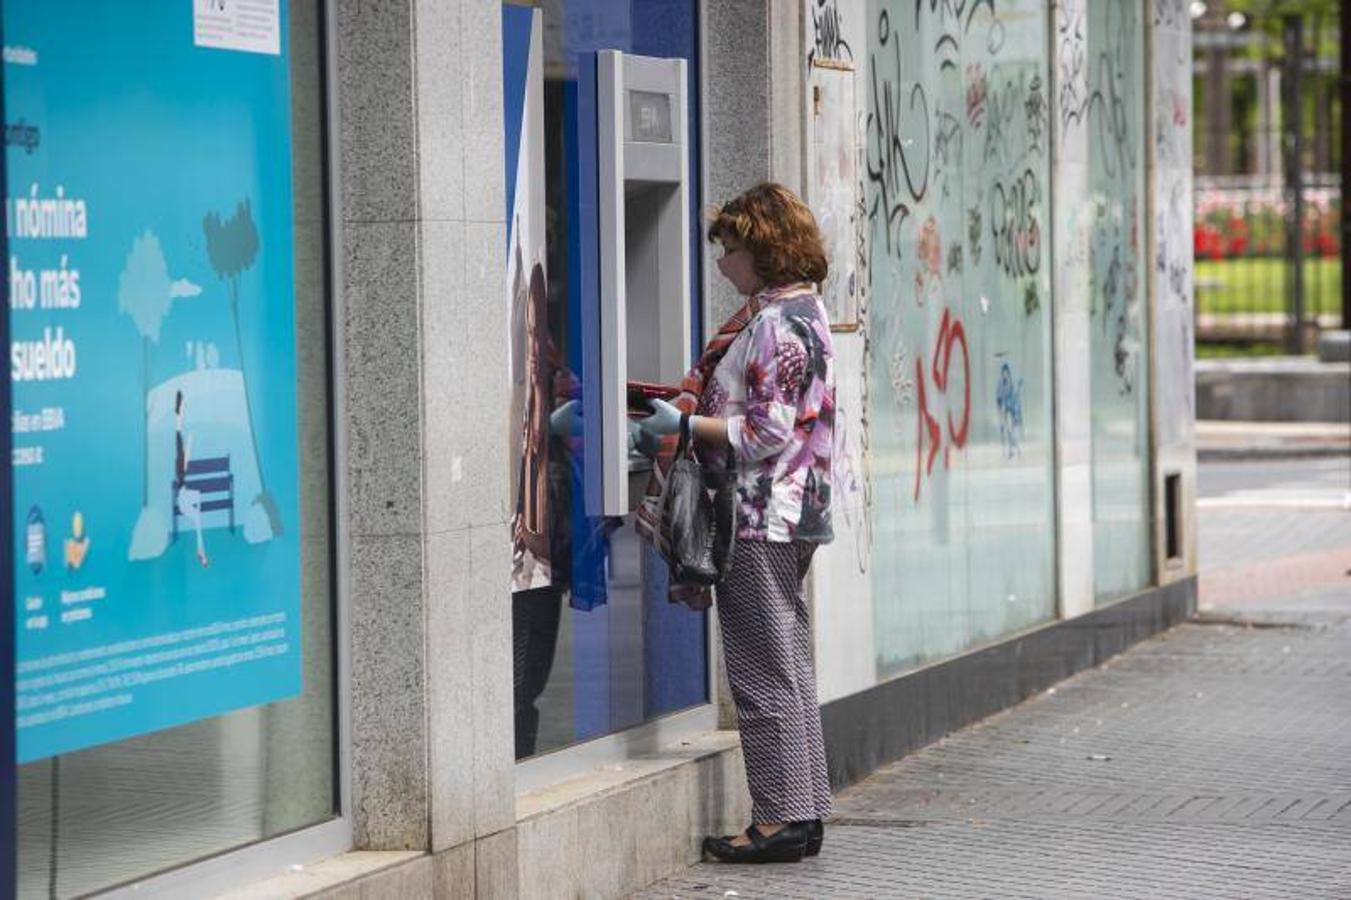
x=947, y=139
x=1111, y=284
x=1004, y=106
x=1171, y=117
x=1177, y=281
x=977, y=92
x=1071, y=57
x=1167, y=13
x=1031, y=297
x=893, y=160
x=1001, y=107
x=994, y=39
x=1017, y=105
x=1114, y=67
x=1115, y=306
x=862, y=247
x=973, y=232
x=1014, y=224
x=1035, y=108
x=955, y=18
x=947, y=155
x=828, y=33
x=1173, y=271
x=1123, y=356
x=1098, y=91
x=954, y=258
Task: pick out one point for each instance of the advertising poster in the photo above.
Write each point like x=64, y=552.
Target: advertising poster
x=149, y=223
x=534, y=357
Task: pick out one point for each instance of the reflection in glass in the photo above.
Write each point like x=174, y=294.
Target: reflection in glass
x=597, y=646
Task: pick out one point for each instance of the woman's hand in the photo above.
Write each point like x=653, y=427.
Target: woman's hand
x=665, y=418
x=566, y=421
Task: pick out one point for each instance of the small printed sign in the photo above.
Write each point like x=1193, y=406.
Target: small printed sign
x=250, y=26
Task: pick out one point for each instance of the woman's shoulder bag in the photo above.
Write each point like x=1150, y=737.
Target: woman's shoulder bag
x=698, y=517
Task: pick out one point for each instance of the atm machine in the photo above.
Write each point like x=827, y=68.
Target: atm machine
x=620, y=175
x=635, y=282
x=643, y=251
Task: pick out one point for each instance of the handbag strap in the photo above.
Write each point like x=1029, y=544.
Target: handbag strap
x=683, y=444
x=683, y=448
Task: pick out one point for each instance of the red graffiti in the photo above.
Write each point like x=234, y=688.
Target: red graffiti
x=950, y=333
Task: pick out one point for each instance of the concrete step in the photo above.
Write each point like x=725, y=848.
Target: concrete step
x=1334, y=346
x=1271, y=440
x=1273, y=389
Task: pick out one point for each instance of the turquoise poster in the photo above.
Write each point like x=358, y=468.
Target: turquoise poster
x=150, y=288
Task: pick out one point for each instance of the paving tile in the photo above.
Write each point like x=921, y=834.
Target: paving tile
x=1227, y=775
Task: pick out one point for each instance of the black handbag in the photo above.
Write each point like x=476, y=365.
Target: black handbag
x=698, y=517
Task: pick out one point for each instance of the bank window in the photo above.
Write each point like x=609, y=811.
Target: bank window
x=167, y=239
x=598, y=646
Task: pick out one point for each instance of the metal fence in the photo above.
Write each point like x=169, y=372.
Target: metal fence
x=1269, y=164
x=1245, y=264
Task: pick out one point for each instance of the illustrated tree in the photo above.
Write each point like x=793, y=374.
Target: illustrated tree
x=144, y=292
x=232, y=247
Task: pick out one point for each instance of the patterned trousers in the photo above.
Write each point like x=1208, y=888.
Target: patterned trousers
x=767, y=643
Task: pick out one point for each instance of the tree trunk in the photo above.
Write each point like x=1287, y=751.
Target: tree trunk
x=248, y=404
x=145, y=418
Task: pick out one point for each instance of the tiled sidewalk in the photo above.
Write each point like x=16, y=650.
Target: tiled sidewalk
x=1212, y=761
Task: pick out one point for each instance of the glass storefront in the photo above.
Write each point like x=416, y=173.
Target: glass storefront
x=176, y=684
x=1112, y=111
x=956, y=172
x=598, y=647
x=169, y=284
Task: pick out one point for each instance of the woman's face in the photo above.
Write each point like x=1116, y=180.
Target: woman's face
x=737, y=265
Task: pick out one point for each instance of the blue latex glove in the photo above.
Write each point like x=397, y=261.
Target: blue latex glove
x=566, y=421
x=643, y=441
x=664, y=420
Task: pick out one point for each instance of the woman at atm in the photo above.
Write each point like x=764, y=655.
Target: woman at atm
x=764, y=392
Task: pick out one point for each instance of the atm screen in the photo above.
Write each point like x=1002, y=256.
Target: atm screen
x=650, y=117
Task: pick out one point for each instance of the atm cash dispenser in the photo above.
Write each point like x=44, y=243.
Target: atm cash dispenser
x=643, y=214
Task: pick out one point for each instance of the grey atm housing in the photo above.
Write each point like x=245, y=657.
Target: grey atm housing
x=643, y=180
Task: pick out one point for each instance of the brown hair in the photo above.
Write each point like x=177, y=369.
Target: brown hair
x=779, y=231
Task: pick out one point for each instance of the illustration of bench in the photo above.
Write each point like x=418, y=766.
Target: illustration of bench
x=212, y=478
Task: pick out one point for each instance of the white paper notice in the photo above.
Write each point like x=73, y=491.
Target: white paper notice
x=253, y=26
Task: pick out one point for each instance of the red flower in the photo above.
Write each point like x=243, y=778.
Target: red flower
x=1206, y=242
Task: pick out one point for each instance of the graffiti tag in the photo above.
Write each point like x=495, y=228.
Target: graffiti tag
x=951, y=336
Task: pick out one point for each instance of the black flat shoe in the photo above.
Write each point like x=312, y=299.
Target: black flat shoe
x=815, y=833
x=785, y=845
